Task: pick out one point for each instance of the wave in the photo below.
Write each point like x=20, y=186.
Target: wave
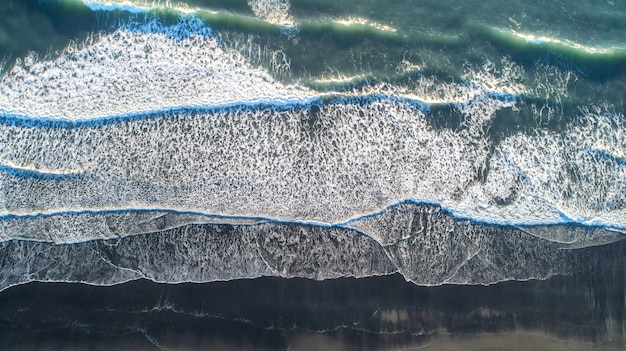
x=272, y=16
x=354, y=28
x=426, y=245
x=158, y=138
x=28, y=171
x=179, y=65
x=70, y=226
x=595, y=62
x=431, y=49
x=324, y=162
x=562, y=44
x=146, y=67
x=271, y=12
x=143, y=6
x=115, y=5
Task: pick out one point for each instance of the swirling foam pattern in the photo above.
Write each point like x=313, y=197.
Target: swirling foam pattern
x=159, y=129
x=141, y=67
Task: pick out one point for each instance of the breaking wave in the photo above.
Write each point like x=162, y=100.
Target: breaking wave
x=211, y=134
x=423, y=243
x=158, y=138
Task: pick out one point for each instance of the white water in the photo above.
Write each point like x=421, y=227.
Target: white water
x=139, y=68
x=350, y=158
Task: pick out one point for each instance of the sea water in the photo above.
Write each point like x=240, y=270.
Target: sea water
x=449, y=143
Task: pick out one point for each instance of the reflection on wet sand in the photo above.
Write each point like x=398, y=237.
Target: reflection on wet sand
x=584, y=311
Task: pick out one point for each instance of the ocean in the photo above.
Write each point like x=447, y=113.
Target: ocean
x=300, y=174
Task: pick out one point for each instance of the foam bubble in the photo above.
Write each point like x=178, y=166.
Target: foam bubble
x=561, y=170
x=116, y=5
x=273, y=11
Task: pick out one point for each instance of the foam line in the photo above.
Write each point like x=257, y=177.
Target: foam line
x=247, y=173
x=26, y=121
x=29, y=172
x=214, y=252
x=459, y=216
x=347, y=224
x=337, y=98
x=116, y=6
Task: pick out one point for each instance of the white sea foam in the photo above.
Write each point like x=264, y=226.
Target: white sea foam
x=139, y=68
x=273, y=11
x=559, y=173
x=116, y=5
x=139, y=6
x=325, y=163
x=542, y=39
x=602, y=132
x=330, y=165
x=365, y=22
